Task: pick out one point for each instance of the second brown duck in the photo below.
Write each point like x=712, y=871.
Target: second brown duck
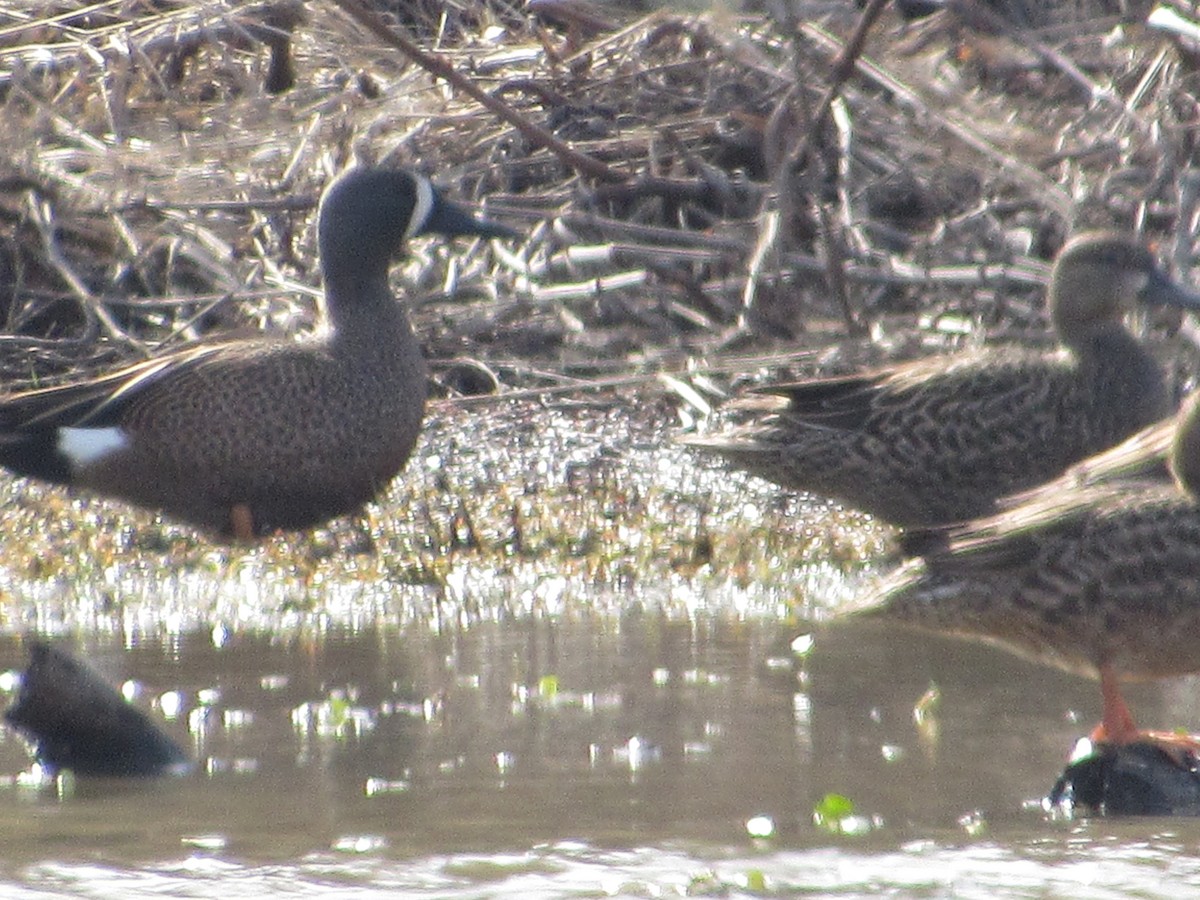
x=1100, y=579
x=939, y=441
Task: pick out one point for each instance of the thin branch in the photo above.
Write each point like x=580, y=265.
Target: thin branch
x=441, y=68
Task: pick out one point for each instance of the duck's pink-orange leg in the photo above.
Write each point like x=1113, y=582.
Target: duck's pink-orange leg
x=241, y=522
x=1117, y=726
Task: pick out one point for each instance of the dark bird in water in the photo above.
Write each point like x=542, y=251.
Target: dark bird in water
x=77, y=721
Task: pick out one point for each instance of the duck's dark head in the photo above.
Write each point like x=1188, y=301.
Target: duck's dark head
x=367, y=214
x=1097, y=278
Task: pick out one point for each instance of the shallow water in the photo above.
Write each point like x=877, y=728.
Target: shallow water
x=585, y=757
x=516, y=727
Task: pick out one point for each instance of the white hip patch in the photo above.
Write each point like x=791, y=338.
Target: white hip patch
x=85, y=446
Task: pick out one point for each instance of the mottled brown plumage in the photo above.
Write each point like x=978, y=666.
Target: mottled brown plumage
x=1107, y=574
x=940, y=440
x=1101, y=579
x=245, y=437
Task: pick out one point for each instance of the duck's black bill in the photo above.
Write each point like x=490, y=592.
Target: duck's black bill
x=79, y=722
x=451, y=220
x=1162, y=290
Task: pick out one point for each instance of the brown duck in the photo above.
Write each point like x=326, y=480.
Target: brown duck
x=246, y=437
x=1100, y=579
x=939, y=440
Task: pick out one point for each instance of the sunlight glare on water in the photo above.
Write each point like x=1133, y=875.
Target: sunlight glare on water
x=515, y=759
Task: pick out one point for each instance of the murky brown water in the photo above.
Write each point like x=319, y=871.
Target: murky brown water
x=363, y=735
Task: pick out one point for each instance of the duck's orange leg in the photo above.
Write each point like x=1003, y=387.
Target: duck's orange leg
x=1117, y=726
x=241, y=522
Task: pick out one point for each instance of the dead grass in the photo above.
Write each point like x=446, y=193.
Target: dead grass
x=742, y=193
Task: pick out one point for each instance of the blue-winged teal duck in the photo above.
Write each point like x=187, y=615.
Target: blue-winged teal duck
x=246, y=437
x=939, y=440
x=1100, y=579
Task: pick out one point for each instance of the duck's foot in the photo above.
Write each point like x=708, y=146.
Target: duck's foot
x=1117, y=727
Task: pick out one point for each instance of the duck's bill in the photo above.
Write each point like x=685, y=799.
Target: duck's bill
x=1162, y=290
x=452, y=220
